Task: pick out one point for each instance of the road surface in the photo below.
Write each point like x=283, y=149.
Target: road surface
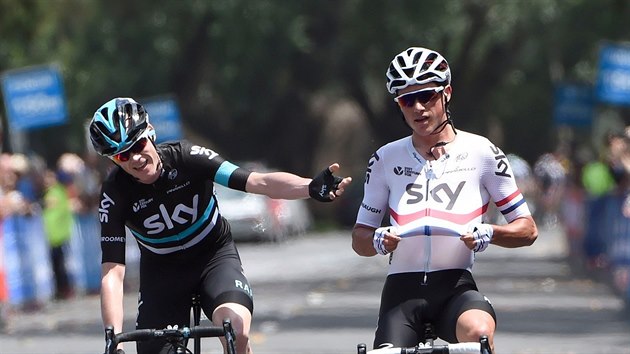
x=314, y=295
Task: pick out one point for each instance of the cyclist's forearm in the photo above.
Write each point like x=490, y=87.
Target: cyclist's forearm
x=112, y=295
x=362, y=240
x=520, y=232
x=278, y=185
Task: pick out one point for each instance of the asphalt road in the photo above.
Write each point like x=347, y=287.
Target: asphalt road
x=314, y=295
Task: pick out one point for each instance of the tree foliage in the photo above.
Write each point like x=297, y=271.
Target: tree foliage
x=248, y=74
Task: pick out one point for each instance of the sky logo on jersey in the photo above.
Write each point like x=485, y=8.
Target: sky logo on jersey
x=200, y=150
x=371, y=162
x=103, y=212
x=442, y=194
x=164, y=220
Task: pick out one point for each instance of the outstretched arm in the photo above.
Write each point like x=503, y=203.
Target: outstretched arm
x=285, y=185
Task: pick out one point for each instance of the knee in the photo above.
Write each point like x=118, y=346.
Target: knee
x=474, y=332
x=474, y=324
x=241, y=328
x=240, y=319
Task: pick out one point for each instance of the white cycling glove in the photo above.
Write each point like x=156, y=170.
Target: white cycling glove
x=379, y=235
x=483, y=235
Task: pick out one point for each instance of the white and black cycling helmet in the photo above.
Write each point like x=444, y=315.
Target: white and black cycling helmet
x=417, y=66
x=117, y=125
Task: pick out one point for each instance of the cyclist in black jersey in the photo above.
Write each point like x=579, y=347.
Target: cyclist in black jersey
x=163, y=196
x=435, y=185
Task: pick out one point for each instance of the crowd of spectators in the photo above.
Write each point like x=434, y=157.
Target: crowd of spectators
x=29, y=187
x=22, y=182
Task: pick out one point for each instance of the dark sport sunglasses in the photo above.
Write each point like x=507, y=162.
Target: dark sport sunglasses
x=423, y=96
x=136, y=148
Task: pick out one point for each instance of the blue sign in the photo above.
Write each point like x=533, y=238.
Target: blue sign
x=34, y=97
x=573, y=105
x=165, y=118
x=613, y=80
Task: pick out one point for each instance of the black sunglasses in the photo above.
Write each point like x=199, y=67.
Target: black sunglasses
x=136, y=148
x=423, y=96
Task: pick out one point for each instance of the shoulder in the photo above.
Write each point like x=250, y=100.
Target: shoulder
x=177, y=152
x=389, y=151
x=478, y=144
x=394, y=147
x=116, y=183
x=173, y=147
x=473, y=138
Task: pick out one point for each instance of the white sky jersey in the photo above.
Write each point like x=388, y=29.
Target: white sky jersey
x=434, y=202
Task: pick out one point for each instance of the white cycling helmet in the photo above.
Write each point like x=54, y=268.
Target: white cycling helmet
x=417, y=66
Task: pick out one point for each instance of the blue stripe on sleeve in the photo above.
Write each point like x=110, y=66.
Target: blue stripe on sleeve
x=516, y=205
x=224, y=172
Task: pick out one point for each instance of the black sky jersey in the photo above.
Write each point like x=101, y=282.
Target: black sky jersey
x=176, y=214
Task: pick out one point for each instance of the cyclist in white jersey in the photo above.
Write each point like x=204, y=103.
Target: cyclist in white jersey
x=435, y=185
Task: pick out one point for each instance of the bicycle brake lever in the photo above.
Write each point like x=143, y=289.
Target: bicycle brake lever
x=485, y=345
x=228, y=332
x=109, y=339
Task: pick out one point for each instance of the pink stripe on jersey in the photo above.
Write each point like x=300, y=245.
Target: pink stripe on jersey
x=460, y=219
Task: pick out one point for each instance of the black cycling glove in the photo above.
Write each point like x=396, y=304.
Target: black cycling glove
x=322, y=184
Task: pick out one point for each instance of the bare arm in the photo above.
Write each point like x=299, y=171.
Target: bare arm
x=519, y=233
x=362, y=240
x=278, y=185
x=112, y=276
x=284, y=185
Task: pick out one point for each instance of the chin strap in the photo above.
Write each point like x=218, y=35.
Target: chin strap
x=436, y=131
x=441, y=127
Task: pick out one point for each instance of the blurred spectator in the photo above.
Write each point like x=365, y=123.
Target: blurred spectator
x=58, y=221
x=551, y=173
x=597, y=178
x=70, y=165
x=13, y=202
x=87, y=180
x=619, y=159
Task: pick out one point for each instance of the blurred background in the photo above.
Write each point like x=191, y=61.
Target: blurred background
x=297, y=85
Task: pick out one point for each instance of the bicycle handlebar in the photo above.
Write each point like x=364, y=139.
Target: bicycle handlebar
x=481, y=347
x=113, y=339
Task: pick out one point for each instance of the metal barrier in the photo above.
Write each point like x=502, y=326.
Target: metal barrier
x=26, y=264
x=606, y=243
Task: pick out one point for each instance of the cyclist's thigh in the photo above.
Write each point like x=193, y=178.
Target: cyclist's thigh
x=164, y=299
x=467, y=300
x=400, y=315
x=399, y=324
x=223, y=281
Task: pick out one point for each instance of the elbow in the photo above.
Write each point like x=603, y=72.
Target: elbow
x=362, y=250
x=531, y=239
x=529, y=232
x=356, y=247
x=532, y=236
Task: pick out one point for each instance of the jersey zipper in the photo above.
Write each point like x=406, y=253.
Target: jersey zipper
x=427, y=251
